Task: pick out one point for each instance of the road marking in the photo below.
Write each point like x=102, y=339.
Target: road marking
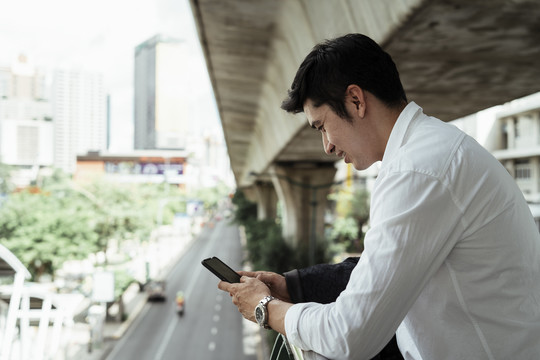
x=216, y=318
x=174, y=320
x=212, y=346
x=217, y=307
x=213, y=331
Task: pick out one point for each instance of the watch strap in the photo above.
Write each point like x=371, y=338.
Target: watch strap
x=264, y=302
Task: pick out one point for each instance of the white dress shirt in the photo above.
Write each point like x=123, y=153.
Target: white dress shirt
x=451, y=261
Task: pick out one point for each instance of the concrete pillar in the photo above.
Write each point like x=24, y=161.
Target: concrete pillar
x=250, y=193
x=535, y=189
x=302, y=191
x=266, y=200
x=511, y=131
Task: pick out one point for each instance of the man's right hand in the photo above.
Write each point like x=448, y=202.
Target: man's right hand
x=275, y=282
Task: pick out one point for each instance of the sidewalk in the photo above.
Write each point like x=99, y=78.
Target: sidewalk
x=112, y=331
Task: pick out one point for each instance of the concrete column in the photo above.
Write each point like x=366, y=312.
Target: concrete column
x=511, y=131
x=535, y=189
x=302, y=191
x=266, y=200
x=250, y=193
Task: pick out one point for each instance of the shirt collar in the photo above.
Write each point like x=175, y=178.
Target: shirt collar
x=397, y=136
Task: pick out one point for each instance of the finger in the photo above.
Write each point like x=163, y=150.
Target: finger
x=264, y=280
x=224, y=285
x=248, y=273
x=267, y=278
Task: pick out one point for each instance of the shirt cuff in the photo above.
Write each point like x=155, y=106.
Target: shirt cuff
x=292, y=279
x=291, y=324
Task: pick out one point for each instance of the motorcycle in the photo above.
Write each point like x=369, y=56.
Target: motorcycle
x=180, y=303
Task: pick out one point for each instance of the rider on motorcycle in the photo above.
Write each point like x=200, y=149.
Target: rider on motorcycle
x=180, y=302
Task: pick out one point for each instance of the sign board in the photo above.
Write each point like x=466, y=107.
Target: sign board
x=103, y=286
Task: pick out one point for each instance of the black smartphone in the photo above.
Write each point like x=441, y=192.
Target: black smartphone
x=221, y=270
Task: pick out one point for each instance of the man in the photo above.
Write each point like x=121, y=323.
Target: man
x=452, y=259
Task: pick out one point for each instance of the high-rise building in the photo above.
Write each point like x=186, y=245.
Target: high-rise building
x=80, y=116
x=26, y=123
x=160, y=94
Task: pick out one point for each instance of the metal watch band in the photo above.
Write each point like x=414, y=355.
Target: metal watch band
x=266, y=299
x=264, y=302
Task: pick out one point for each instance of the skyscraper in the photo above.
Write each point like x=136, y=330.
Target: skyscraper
x=80, y=117
x=160, y=94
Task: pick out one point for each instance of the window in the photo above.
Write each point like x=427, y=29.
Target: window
x=522, y=170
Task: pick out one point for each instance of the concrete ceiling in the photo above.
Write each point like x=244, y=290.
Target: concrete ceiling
x=455, y=57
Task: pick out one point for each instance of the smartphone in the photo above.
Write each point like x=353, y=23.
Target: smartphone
x=221, y=270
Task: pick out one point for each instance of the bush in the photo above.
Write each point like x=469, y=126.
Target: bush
x=266, y=247
x=267, y=250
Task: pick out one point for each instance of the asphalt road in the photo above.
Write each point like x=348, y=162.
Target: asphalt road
x=211, y=327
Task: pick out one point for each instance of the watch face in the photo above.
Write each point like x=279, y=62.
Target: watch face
x=259, y=315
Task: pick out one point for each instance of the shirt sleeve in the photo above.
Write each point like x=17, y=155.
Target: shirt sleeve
x=320, y=283
x=414, y=225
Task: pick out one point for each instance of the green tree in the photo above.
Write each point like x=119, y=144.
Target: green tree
x=43, y=230
x=6, y=186
x=352, y=213
x=63, y=220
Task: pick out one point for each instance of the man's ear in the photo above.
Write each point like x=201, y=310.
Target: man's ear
x=356, y=95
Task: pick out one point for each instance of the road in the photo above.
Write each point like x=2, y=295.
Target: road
x=211, y=327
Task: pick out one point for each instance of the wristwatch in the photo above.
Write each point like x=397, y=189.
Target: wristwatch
x=261, y=312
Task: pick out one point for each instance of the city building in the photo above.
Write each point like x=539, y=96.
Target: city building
x=517, y=145
x=161, y=94
x=137, y=166
x=26, y=120
x=209, y=163
x=511, y=132
x=80, y=116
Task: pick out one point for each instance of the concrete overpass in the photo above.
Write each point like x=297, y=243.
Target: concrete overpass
x=455, y=57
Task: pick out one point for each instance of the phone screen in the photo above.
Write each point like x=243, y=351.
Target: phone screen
x=221, y=270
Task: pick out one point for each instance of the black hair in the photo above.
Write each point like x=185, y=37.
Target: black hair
x=333, y=65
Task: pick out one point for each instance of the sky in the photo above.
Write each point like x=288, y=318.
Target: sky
x=100, y=36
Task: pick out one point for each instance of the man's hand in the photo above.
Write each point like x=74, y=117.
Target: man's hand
x=246, y=294
x=252, y=288
x=275, y=282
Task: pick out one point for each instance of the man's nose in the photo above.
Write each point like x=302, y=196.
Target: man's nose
x=329, y=148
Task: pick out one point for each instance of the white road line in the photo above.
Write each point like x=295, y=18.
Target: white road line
x=194, y=280
x=126, y=335
x=174, y=320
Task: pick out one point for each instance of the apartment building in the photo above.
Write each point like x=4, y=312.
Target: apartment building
x=511, y=132
x=515, y=142
x=26, y=122
x=80, y=116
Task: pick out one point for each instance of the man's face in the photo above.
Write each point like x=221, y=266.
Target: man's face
x=350, y=140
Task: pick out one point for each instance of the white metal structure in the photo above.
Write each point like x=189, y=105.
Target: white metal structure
x=30, y=309
x=11, y=266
